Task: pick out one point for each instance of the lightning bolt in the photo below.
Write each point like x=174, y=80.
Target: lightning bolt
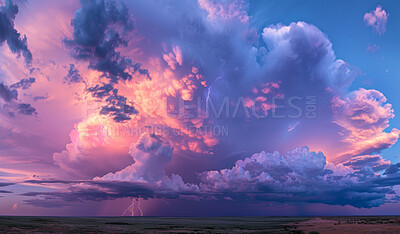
x=140, y=209
x=131, y=208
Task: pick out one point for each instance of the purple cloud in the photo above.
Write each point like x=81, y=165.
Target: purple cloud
x=73, y=75
x=376, y=162
x=24, y=83
x=297, y=176
x=10, y=98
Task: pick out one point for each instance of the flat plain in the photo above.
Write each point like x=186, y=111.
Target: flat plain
x=364, y=224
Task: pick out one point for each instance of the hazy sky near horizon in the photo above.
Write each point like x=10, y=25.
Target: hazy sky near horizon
x=199, y=107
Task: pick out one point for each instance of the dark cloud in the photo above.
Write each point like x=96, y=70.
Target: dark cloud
x=91, y=25
x=5, y=191
x=16, y=43
x=101, y=91
x=297, y=176
x=24, y=83
x=376, y=162
x=137, y=67
x=99, y=191
x=100, y=27
x=88, y=190
x=115, y=105
x=115, y=66
x=7, y=94
x=118, y=107
x=10, y=96
x=73, y=75
x=26, y=109
x=5, y=184
x=393, y=170
x=37, y=98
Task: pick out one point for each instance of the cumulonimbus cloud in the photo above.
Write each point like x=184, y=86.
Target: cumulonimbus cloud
x=207, y=54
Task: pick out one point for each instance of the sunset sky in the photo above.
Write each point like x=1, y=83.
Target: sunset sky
x=199, y=108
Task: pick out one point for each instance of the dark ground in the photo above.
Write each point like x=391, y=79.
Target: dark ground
x=371, y=224
x=15, y=224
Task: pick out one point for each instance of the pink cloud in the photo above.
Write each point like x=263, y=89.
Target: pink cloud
x=377, y=19
x=293, y=126
x=174, y=58
x=225, y=10
x=363, y=116
x=151, y=154
x=97, y=142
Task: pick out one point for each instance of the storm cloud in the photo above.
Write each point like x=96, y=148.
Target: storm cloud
x=100, y=27
x=297, y=176
x=15, y=41
x=145, y=138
